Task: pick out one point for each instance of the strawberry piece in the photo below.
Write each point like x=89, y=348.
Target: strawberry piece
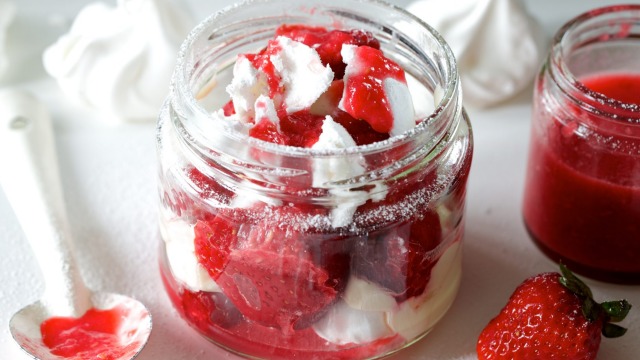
x=213, y=240
x=551, y=316
x=278, y=275
x=400, y=259
x=302, y=128
x=275, y=290
x=328, y=43
x=267, y=131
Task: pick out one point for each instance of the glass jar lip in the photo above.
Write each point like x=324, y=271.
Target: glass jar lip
x=592, y=101
x=181, y=74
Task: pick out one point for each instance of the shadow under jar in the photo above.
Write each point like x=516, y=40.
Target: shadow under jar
x=582, y=193
x=252, y=255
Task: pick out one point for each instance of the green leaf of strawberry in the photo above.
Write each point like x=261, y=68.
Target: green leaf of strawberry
x=551, y=316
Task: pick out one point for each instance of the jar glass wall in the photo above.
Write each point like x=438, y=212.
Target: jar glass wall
x=582, y=194
x=257, y=256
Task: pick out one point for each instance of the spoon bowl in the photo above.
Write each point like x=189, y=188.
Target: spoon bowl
x=29, y=177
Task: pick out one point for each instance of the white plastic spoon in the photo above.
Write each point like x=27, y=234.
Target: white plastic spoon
x=30, y=179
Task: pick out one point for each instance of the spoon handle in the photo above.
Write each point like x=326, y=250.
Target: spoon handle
x=31, y=182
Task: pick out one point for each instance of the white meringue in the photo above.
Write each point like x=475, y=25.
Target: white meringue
x=7, y=10
x=120, y=59
x=497, y=44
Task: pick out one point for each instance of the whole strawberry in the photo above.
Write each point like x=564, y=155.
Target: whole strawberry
x=551, y=316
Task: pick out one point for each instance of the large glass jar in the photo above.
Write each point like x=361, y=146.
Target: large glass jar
x=257, y=256
x=582, y=196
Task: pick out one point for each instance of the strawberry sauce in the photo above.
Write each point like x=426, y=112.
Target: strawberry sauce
x=95, y=335
x=582, y=204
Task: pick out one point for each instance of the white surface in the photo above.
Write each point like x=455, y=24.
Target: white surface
x=108, y=175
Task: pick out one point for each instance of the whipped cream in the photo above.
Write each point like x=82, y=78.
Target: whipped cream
x=179, y=241
x=368, y=312
x=120, y=59
x=7, y=11
x=418, y=314
x=343, y=325
x=497, y=44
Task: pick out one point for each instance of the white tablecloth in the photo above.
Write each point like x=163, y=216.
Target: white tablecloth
x=109, y=183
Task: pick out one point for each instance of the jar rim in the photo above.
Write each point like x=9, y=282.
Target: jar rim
x=448, y=100
x=590, y=100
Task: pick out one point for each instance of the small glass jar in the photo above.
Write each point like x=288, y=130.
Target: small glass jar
x=582, y=193
x=257, y=256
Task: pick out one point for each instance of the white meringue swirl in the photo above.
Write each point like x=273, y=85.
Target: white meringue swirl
x=120, y=59
x=497, y=44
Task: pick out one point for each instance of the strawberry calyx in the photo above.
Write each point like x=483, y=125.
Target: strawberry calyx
x=609, y=312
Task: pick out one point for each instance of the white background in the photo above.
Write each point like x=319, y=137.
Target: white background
x=110, y=187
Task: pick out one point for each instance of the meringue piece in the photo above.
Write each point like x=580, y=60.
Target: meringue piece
x=303, y=75
x=343, y=324
x=179, y=237
x=247, y=85
x=334, y=136
x=299, y=69
x=497, y=44
x=265, y=109
x=401, y=104
x=335, y=168
x=361, y=294
x=7, y=11
x=120, y=59
x=419, y=314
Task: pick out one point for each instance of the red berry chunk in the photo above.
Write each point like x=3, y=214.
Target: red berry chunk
x=328, y=43
x=275, y=290
x=301, y=129
x=213, y=241
x=275, y=272
x=400, y=259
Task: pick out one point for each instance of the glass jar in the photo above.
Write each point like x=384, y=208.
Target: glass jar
x=257, y=256
x=582, y=193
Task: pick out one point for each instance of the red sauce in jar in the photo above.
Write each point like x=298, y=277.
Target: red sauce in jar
x=582, y=204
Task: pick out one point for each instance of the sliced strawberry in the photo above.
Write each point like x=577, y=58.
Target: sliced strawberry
x=400, y=259
x=275, y=290
x=328, y=43
x=213, y=241
x=278, y=273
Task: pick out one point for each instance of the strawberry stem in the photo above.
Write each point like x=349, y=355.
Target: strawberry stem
x=609, y=311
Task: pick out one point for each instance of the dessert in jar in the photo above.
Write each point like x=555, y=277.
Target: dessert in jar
x=313, y=164
x=582, y=195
